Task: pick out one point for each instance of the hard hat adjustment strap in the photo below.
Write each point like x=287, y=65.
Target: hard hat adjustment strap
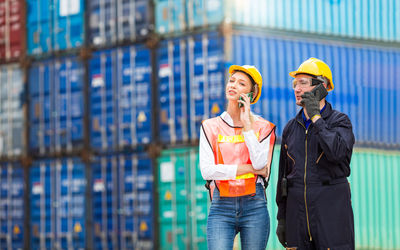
x=317, y=80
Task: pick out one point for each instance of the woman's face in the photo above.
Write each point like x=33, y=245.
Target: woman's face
x=238, y=83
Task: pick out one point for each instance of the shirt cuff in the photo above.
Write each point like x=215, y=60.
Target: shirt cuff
x=230, y=173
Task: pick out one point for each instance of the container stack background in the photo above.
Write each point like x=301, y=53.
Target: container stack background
x=101, y=103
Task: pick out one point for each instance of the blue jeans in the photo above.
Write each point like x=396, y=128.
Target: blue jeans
x=231, y=215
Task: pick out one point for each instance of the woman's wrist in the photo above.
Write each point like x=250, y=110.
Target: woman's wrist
x=247, y=126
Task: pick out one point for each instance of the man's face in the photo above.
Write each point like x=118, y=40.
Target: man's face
x=301, y=84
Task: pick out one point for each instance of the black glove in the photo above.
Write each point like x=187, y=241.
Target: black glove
x=281, y=232
x=311, y=103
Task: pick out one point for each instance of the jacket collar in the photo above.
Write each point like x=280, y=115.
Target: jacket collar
x=325, y=114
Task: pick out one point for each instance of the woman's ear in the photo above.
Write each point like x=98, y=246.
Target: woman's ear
x=255, y=92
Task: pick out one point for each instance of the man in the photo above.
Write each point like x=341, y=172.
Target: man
x=313, y=194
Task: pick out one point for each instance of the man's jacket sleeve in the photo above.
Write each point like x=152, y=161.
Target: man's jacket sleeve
x=336, y=139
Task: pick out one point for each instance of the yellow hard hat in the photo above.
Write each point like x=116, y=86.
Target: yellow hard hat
x=253, y=73
x=316, y=67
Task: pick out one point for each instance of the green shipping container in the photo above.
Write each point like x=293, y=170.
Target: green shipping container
x=183, y=200
x=375, y=191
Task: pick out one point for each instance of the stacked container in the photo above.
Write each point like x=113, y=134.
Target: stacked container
x=54, y=26
x=120, y=127
x=56, y=105
x=122, y=202
x=12, y=31
x=12, y=125
x=57, y=204
x=11, y=206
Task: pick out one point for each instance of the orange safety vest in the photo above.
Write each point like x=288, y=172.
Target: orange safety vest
x=229, y=147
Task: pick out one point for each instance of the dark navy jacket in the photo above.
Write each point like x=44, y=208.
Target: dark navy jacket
x=318, y=155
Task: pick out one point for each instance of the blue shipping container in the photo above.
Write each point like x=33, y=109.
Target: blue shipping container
x=113, y=21
x=11, y=206
x=364, y=76
x=56, y=105
x=363, y=19
x=120, y=98
x=123, y=202
x=191, y=85
x=170, y=16
x=54, y=25
x=136, y=221
x=57, y=209
x=12, y=119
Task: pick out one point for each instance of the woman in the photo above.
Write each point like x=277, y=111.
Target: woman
x=235, y=157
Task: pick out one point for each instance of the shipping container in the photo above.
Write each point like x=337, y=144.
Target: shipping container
x=116, y=21
x=192, y=72
x=11, y=206
x=123, y=202
x=56, y=105
x=170, y=16
x=183, y=200
x=54, y=25
x=374, y=188
x=105, y=202
x=57, y=204
x=136, y=205
x=360, y=19
x=12, y=120
x=191, y=85
x=120, y=98
x=12, y=30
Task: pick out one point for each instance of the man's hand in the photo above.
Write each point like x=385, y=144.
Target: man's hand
x=281, y=232
x=311, y=104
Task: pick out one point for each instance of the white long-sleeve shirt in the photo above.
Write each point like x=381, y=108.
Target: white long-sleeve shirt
x=258, y=155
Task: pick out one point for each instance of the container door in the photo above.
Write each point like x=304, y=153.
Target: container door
x=43, y=225
x=136, y=202
x=68, y=31
x=11, y=113
x=173, y=92
x=206, y=80
x=102, y=101
x=12, y=206
x=70, y=202
x=134, y=96
x=68, y=99
x=105, y=203
x=40, y=89
x=170, y=16
x=102, y=22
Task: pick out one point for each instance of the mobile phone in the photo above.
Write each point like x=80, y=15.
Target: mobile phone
x=322, y=92
x=250, y=95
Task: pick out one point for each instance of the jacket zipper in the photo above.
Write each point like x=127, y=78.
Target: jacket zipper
x=305, y=187
x=305, y=191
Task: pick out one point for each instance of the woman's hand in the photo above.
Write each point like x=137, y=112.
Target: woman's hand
x=248, y=168
x=245, y=112
x=263, y=172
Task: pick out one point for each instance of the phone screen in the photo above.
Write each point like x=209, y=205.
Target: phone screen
x=250, y=95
